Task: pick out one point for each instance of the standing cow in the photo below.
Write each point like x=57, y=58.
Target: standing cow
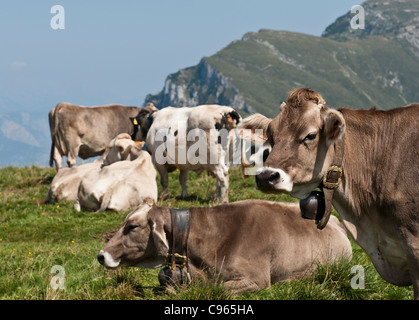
x=85, y=132
x=367, y=160
x=196, y=139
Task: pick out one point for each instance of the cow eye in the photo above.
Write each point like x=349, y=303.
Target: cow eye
x=269, y=136
x=132, y=227
x=310, y=137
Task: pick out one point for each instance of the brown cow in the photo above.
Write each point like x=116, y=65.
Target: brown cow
x=86, y=131
x=249, y=244
x=378, y=195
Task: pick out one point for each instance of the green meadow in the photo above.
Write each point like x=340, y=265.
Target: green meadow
x=35, y=237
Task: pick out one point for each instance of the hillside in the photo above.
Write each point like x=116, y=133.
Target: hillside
x=377, y=66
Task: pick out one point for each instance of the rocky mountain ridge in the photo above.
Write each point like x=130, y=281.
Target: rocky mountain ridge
x=376, y=66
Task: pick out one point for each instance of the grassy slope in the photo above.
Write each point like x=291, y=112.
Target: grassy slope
x=266, y=65
x=34, y=237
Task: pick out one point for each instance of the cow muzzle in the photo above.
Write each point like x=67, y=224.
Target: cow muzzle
x=106, y=260
x=273, y=180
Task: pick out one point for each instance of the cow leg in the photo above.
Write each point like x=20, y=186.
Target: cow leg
x=239, y=286
x=72, y=155
x=183, y=179
x=164, y=180
x=221, y=191
x=58, y=158
x=412, y=250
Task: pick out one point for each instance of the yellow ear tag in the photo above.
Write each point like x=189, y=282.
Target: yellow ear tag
x=135, y=121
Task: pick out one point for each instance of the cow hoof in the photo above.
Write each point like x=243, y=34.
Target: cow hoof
x=164, y=196
x=77, y=206
x=185, y=195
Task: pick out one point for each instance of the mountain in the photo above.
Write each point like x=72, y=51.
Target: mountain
x=395, y=19
x=201, y=84
x=24, y=136
x=377, y=66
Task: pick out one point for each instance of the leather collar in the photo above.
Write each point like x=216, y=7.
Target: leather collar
x=332, y=180
x=178, y=244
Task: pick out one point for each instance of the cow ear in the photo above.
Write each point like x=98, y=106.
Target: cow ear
x=334, y=126
x=255, y=122
x=159, y=238
x=134, y=121
x=124, y=148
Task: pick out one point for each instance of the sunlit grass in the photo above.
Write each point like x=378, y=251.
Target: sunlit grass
x=34, y=237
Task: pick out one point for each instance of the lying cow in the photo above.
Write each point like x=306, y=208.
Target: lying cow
x=66, y=182
x=85, y=132
x=121, y=148
x=122, y=185
x=366, y=160
x=167, y=136
x=250, y=244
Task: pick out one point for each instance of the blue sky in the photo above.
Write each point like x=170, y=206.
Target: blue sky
x=119, y=51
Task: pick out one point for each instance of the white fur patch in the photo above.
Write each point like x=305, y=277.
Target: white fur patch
x=284, y=182
x=109, y=262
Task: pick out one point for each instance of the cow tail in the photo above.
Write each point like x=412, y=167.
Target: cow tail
x=51, y=155
x=53, y=119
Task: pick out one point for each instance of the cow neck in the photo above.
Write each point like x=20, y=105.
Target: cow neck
x=178, y=238
x=147, y=123
x=332, y=180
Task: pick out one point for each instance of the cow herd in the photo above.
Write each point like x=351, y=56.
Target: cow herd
x=364, y=162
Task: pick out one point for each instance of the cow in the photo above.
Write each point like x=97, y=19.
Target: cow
x=254, y=150
x=84, y=132
x=66, y=182
x=122, y=185
x=121, y=148
x=196, y=139
x=367, y=161
x=249, y=244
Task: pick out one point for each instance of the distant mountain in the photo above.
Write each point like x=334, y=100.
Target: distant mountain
x=377, y=66
x=24, y=138
x=395, y=19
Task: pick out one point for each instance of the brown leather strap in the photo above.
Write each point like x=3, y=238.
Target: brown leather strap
x=180, y=219
x=332, y=180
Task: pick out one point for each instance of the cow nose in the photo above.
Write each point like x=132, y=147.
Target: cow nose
x=101, y=258
x=266, y=179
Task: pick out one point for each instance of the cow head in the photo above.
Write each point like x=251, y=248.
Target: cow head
x=121, y=148
x=139, y=242
x=142, y=122
x=254, y=151
x=300, y=136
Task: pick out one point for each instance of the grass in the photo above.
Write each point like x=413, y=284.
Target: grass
x=34, y=237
